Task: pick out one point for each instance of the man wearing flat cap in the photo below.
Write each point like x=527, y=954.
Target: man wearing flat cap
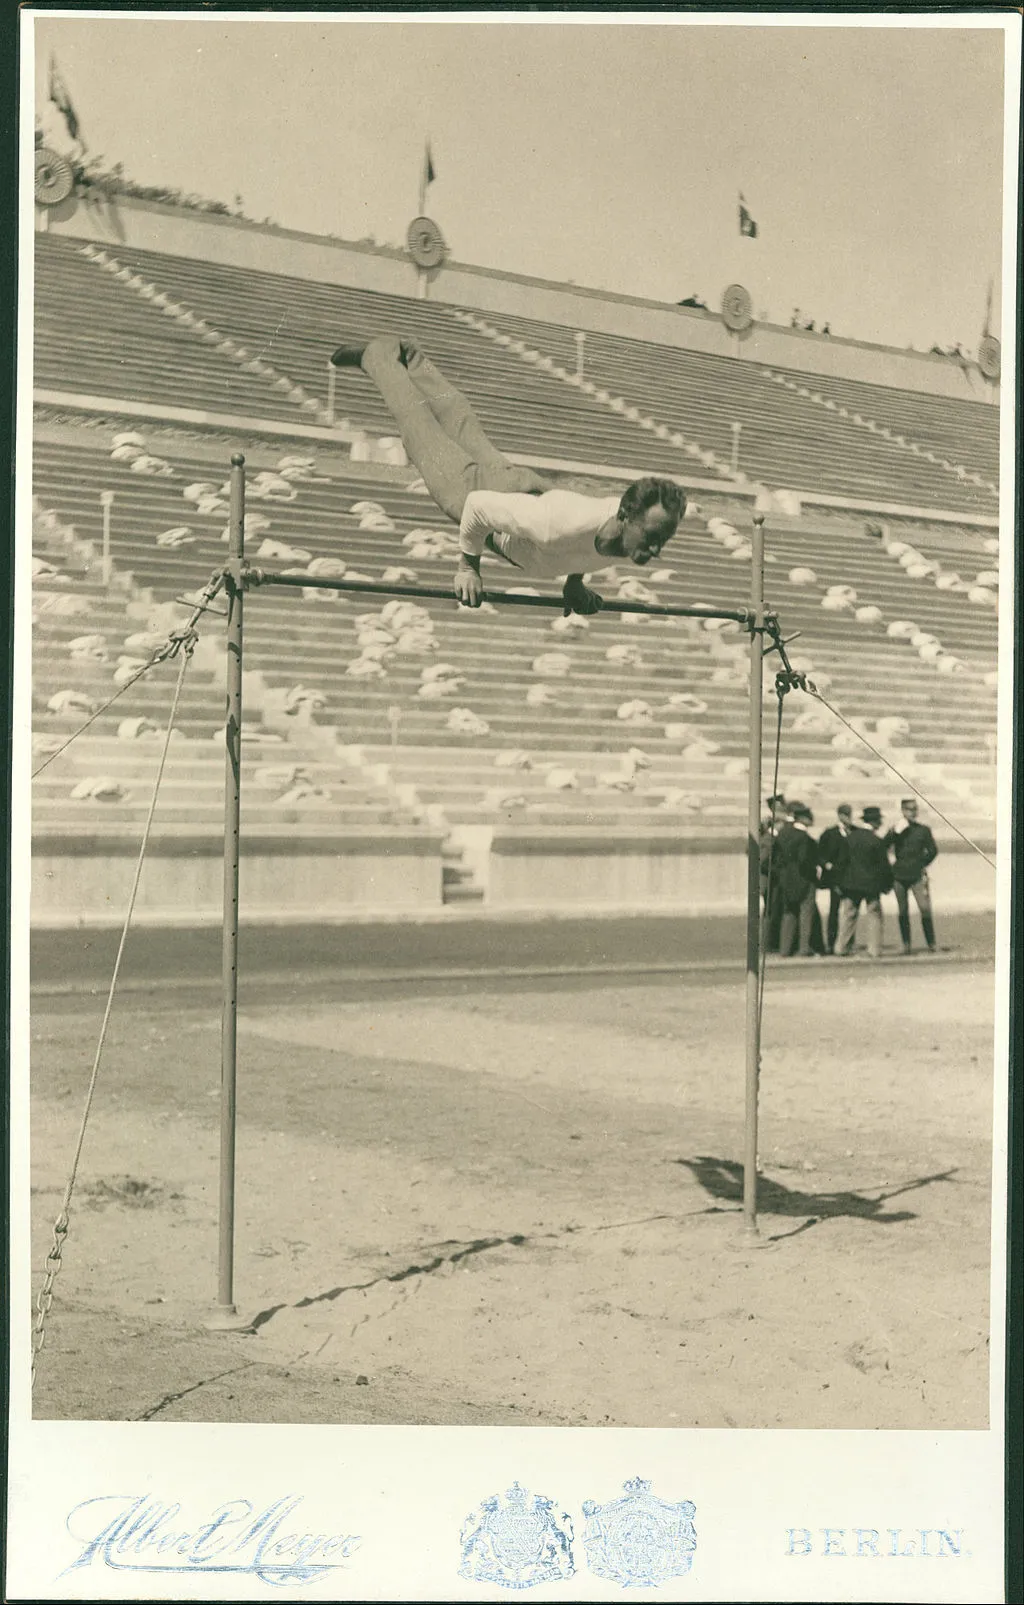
x=864, y=875
x=913, y=849
x=771, y=824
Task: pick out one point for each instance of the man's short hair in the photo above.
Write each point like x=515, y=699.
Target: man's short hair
x=908, y=802
x=645, y=493
x=845, y=811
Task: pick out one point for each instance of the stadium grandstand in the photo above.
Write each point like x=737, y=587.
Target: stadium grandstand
x=545, y=1095
x=399, y=757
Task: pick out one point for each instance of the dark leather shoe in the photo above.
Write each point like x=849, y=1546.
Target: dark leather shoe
x=348, y=357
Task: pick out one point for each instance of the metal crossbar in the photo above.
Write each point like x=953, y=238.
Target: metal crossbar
x=324, y=582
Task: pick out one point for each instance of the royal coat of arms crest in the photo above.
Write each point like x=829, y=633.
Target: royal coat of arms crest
x=639, y=1540
x=516, y=1539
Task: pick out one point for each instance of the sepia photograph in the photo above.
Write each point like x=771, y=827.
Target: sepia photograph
x=513, y=743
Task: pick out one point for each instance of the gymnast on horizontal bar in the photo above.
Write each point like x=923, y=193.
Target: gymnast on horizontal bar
x=511, y=512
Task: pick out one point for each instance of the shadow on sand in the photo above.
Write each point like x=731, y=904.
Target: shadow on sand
x=722, y=1179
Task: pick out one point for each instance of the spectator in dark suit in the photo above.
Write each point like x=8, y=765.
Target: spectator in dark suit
x=864, y=874
x=795, y=870
x=830, y=844
x=771, y=824
x=913, y=848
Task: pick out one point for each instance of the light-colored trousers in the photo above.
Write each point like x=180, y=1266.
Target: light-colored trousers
x=441, y=433
x=849, y=908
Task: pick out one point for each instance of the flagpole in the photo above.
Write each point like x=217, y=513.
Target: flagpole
x=425, y=176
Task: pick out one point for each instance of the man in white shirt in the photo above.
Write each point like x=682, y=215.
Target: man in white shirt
x=510, y=512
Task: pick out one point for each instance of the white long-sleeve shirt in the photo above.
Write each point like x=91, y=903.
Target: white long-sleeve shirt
x=545, y=536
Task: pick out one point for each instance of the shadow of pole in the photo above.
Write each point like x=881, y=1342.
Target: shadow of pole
x=722, y=1180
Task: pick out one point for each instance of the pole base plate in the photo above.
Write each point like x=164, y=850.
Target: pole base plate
x=749, y=1239
x=225, y=1318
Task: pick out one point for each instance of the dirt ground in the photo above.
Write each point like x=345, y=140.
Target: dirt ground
x=518, y=1203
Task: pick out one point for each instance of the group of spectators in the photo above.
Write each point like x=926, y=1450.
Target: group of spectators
x=798, y=321
x=856, y=864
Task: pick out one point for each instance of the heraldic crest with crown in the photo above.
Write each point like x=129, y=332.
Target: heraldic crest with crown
x=639, y=1540
x=516, y=1539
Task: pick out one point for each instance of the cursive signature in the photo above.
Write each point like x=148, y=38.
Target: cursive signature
x=141, y=1534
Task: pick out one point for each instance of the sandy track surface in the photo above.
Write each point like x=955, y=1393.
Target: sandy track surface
x=519, y=1203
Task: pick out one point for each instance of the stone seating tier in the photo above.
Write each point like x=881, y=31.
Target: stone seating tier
x=295, y=642
x=87, y=319
x=683, y=387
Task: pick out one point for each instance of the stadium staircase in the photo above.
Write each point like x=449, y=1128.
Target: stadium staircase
x=799, y=431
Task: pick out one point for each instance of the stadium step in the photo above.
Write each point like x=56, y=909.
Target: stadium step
x=460, y=882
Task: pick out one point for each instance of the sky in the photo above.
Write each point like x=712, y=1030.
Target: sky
x=607, y=155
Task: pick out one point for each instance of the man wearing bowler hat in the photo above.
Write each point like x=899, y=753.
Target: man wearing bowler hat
x=864, y=875
x=796, y=866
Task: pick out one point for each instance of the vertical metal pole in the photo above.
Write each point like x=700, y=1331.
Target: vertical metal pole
x=106, y=502
x=753, y=1022
x=736, y=446
x=581, y=340
x=332, y=377
x=224, y=1314
x=421, y=287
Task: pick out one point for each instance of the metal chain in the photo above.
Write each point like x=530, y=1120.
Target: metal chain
x=170, y=648
x=61, y=1225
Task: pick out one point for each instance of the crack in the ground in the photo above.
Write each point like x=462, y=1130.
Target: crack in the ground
x=462, y=1251
x=478, y=1246
x=172, y=1398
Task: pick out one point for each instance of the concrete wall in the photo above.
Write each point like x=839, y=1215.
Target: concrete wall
x=86, y=879
x=211, y=237
x=533, y=868
x=538, y=868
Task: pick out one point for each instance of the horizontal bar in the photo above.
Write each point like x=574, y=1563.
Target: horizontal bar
x=326, y=582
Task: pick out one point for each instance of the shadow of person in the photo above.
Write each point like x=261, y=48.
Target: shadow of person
x=722, y=1179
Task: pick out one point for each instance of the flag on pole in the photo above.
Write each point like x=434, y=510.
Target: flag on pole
x=427, y=176
x=748, y=228
x=59, y=95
